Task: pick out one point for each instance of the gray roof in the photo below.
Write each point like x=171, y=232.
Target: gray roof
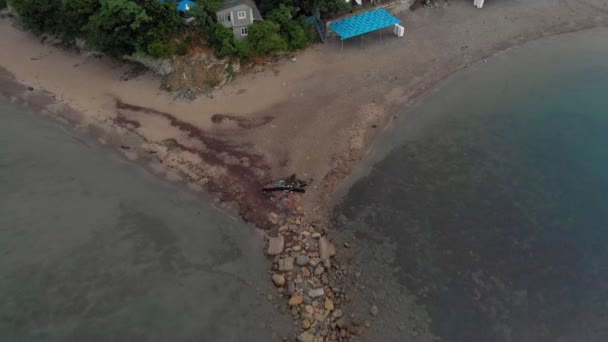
x=231, y=3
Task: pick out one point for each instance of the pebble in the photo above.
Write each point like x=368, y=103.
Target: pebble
x=307, y=300
x=296, y=300
x=276, y=245
x=306, y=337
x=337, y=313
x=373, y=310
x=302, y=259
x=286, y=264
x=309, y=309
x=319, y=270
x=329, y=304
x=297, y=248
x=346, y=244
x=332, y=250
x=316, y=235
x=306, y=324
x=324, y=251
x=278, y=280
x=305, y=272
x=318, y=317
x=291, y=288
x=318, y=292
x=341, y=323
x=274, y=218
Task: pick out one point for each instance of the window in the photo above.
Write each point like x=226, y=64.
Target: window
x=225, y=17
x=241, y=14
x=244, y=31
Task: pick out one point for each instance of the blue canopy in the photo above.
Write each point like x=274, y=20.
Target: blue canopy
x=363, y=23
x=185, y=5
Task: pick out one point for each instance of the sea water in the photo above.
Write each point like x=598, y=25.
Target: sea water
x=493, y=192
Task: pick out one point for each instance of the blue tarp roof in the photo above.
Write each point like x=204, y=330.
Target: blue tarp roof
x=363, y=23
x=185, y=5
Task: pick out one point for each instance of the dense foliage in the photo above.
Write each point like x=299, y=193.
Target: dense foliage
x=123, y=27
x=116, y=27
x=2, y=4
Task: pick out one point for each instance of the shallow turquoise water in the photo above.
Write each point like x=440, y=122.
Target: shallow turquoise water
x=495, y=191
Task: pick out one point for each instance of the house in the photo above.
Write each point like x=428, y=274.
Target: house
x=239, y=15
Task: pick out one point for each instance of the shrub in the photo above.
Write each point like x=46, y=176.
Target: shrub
x=243, y=50
x=2, y=4
x=265, y=38
x=222, y=41
x=39, y=16
x=159, y=49
x=181, y=49
x=299, y=34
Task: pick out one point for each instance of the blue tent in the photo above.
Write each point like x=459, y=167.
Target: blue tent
x=185, y=5
x=363, y=23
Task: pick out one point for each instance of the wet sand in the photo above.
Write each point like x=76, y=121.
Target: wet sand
x=95, y=248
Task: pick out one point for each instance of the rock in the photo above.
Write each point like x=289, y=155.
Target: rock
x=341, y=322
x=319, y=270
x=318, y=317
x=329, y=305
x=306, y=337
x=373, y=310
x=305, y=272
x=296, y=300
x=291, y=288
x=367, y=324
x=307, y=300
x=332, y=250
x=318, y=292
x=294, y=59
x=309, y=309
x=286, y=264
x=324, y=251
x=316, y=235
x=346, y=244
x=337, y=313
x=276, y=245
x=313, y=262
x=273, y=218
x=278, y=280
x=306, y=324
x=302, y=260
x=297, y=248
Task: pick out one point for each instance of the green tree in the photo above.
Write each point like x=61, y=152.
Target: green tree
x=204, y=14
x=222, y=40
x=296, y=33
x=40, y=16
x=299, y=34
x=115, y=28
x=265, y=38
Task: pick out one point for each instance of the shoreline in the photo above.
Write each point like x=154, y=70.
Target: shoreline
x=217, y=155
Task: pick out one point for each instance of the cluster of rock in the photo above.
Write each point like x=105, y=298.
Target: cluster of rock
x=305, y=274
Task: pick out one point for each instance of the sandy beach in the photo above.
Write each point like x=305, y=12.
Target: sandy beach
x=313, y=117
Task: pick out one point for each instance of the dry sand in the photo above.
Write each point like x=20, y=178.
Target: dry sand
x=314, y=117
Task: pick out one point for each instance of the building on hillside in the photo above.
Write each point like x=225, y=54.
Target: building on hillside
x=239, y=15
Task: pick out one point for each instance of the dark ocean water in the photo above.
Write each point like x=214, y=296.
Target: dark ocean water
x=493, y=192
